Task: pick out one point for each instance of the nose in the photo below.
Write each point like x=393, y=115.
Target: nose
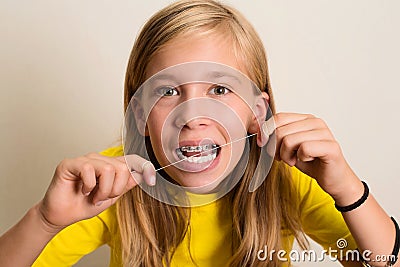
x=190, y=113
x=193, y=123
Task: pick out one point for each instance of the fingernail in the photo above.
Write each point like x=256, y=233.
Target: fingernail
x=86, y=194
x=144, y=164
x=268, y=127
x=152, y=180
x=99, y=203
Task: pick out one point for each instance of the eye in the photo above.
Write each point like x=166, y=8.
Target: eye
x=167, y=91
x=219, y=90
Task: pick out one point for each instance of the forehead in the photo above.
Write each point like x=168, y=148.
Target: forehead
x=212, y=47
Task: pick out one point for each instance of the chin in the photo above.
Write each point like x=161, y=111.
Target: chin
x=199, y=185
x=202, y=189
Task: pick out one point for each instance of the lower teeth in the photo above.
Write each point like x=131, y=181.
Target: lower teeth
x=197, y=158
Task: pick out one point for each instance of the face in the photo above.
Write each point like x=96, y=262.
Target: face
x=197, y=135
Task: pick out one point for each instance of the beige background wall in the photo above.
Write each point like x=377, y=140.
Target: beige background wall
x=62, y=67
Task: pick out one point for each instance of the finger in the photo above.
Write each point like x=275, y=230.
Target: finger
x=287, y=118
x=123, y=179
x=291, y=143
x=143, y=166
x=282, y=119
x=149, y=173
x=105, y=177
x=83, y=169
x=123, y=173
x=267, y=129
x=325, y=150
x=135, y=163
x=133, y=181
x=88, y=176
x=112, y=199
x=297, y=126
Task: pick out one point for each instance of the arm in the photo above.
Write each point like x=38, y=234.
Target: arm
x=22, y=244
x=378, y=235
x=81, y=188
x=306, y=142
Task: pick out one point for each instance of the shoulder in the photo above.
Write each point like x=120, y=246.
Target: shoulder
x=79, y=239
x=307, y=188
x=113, y=151
x=313, y=200
x=99, y=228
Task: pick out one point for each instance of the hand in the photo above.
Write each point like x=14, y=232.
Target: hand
x=306, y=142
x=84, y=187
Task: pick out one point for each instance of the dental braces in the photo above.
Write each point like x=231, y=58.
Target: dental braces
x=204, y=148
x=195, y=155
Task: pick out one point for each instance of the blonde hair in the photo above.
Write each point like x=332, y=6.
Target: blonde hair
x=259, y=218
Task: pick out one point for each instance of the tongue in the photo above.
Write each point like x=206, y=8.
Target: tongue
x=190, y=154
x=197, y=154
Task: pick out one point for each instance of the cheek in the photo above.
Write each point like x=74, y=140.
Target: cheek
x=243, y=111
x=246, y=116
x=154, y=125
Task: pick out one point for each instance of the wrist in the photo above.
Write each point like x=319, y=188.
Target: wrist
x=23, y=243
x=43, y=223
x=349, y=194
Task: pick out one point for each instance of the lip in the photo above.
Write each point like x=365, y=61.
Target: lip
x=198, y=142
x=187, y=166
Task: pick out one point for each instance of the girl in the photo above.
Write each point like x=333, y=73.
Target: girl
x=93, y=200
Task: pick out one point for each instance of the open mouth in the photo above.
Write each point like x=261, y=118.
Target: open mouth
x=198, y=154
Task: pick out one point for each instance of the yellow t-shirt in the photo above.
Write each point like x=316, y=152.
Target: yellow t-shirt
x=210, y=230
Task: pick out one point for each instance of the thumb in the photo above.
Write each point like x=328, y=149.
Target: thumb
x=267, y=129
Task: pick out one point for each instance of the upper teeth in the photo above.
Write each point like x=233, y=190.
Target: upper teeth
x=198, y=148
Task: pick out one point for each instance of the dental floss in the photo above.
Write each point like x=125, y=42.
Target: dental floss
x=171, y=164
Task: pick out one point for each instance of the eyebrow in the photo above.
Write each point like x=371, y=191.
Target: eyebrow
x=210, y=75
x=163, y=77
x=218, y=74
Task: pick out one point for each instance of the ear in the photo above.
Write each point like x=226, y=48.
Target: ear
x=139, y=114
x=259, y=117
